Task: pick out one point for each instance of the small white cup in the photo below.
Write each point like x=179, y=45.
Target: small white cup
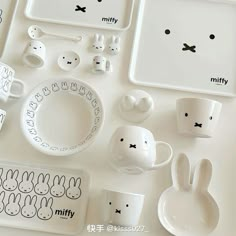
x=2, y=118
x=6, y=81
x=34, y=54
x=197, y=117
x=134, y=150
x=101, y=65
x=122, y=209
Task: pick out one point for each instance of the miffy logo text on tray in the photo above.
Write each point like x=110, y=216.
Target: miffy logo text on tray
x=219, y=81
x=110, y=20
x=65, y=213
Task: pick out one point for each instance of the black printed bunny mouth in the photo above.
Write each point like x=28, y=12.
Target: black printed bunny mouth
x=189, y=48
x=198, y=125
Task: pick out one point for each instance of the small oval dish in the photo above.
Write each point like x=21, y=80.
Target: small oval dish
x=62, y=117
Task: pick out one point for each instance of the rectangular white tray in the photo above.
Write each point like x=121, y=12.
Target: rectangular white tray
x=67, y=213
x=211, y=69
x=105, y=14
x=7, y=13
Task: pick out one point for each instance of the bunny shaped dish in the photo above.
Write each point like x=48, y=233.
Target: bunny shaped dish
x=136, y=106
x=189, y=209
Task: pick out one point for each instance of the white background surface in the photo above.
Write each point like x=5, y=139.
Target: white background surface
x=221, y=149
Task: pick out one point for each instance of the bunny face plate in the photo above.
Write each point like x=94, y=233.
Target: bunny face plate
x=189, y=209
x=62, y=117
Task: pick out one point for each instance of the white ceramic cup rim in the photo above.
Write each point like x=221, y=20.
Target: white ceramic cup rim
x=123, y=193
x=197, y=99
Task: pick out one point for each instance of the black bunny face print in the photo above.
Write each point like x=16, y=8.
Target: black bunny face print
x=189, y=47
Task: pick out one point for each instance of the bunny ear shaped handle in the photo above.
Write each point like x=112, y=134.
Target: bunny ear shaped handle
x=181, y=172
x=202, y=176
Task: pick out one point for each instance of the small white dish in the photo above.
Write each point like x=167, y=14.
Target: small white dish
x=62, y=116
x=189, y=209
x=68, y=61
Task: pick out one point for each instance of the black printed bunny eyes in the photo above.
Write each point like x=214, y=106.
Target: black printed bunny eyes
x=122, y=140
x=127, y=205
x=146, y=142
x=186, y=114
x=210, y=117
x=167, y=31
x=109, y=203
x=212, y=36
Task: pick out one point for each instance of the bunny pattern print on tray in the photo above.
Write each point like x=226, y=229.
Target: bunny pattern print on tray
x=42, y=198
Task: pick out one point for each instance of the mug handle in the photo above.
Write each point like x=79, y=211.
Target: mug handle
x=22, y=85
x=168, y=159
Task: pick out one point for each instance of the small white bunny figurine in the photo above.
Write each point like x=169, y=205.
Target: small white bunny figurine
x=45, y=211
x=29, y=209
x=13, y=206
x=26, y=185
x=58, y=188
x=42, y=187
x=114, y=46
x=10, y=183
x=98, y=44
x=2, y=195
x=194, y=210
x=74, y=191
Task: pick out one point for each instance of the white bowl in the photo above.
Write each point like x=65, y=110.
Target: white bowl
x=62, y=117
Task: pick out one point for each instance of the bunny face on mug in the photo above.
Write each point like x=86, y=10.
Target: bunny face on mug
x=26, y=185
x=134, y=150
x=101, y=65
x=58, y=188
x=42, y=186
x=98, y=44
x=10, y=183
x=74, y=191
x=13, y=205
x=201, y=214
x=29, y=209
x=2, y=195
x=45, y=212
x=114, y=46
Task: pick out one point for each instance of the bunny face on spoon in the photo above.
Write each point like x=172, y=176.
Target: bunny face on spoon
x=189, y=209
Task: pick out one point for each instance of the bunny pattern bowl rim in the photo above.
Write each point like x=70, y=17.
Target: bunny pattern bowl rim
x=31, y=104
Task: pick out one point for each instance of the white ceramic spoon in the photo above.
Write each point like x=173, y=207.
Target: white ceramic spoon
x=35, y=32
x=188, y=209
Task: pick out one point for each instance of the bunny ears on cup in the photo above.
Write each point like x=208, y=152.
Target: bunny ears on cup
x=136, y=106
x=195, y=210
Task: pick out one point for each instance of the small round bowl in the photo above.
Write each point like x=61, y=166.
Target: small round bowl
x=62, y=117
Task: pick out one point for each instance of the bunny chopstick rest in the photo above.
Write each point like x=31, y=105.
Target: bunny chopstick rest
x=189, y=209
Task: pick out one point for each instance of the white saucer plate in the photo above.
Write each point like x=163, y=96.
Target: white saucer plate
x=62, y=117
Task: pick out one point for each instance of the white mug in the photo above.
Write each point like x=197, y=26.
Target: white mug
x=2, y=118
x=6, y=81
x=197, y=117
x=35, y=54
x=101, y=65
x=122, y=209
x=134, y=150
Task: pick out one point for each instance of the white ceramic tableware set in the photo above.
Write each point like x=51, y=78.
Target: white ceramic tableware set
x=55, y=200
